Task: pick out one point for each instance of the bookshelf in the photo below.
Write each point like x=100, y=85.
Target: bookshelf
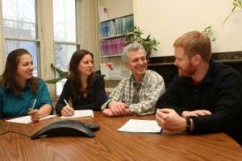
x=112, y=34
x=112, y=42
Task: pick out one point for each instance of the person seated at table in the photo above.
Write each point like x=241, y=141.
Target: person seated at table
x=138, y=93
x=85, y=88
x=20, y=92
x=206, y=96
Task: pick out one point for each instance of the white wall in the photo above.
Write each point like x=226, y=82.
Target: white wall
x=167, y=20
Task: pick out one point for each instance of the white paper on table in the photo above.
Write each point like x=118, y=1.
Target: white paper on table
x=27, y=119
x=141, y=126
x=80, y=113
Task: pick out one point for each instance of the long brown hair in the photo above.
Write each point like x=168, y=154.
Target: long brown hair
x=76, y=85
x=9, y=79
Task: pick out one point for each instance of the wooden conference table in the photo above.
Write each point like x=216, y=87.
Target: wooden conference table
x=111, y=145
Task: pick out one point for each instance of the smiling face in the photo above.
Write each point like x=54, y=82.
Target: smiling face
x=184, y=63
x=137, y=63
x=85, y=66
x=25, y=67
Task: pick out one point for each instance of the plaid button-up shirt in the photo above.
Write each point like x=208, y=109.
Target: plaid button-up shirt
x=149, y=90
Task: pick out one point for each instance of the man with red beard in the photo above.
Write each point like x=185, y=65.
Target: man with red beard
x=138, y=93
x=205, y=97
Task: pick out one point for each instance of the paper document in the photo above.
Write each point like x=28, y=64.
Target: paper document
x=142, y=126
x=80, y=113
x=26, y=119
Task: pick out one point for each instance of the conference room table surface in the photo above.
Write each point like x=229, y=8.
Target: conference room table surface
x=112, y=145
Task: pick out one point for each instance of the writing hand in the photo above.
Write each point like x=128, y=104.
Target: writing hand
x=35, y=115
x=67, y=111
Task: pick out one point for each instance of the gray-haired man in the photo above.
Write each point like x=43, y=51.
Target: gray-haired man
x=138, y=93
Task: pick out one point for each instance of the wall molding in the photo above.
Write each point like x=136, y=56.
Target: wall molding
x=233, y=56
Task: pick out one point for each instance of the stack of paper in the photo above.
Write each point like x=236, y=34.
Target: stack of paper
x=142, y=126
x=80, y=113
x=26, y=119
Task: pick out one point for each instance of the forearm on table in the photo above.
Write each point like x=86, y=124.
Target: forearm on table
x=45, y=110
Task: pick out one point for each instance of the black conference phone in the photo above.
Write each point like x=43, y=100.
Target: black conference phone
x=66, y=128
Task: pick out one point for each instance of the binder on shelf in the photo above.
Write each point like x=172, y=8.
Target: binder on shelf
x=112, y=46
x=118, y=26
x=112, y=33
x=129, y=24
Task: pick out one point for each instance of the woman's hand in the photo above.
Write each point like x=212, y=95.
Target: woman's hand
x=67, y=111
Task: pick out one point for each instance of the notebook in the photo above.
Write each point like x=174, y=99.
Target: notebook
x=80, y=113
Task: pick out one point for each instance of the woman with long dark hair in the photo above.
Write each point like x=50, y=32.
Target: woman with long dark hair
x=84, y=87
x=21, y=93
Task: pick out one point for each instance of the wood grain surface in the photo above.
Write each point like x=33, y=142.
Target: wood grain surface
x=111, y=145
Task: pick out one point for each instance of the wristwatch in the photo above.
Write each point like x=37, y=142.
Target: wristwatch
x=188, y=124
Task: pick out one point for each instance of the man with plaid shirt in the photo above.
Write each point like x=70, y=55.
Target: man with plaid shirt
x=138, y=93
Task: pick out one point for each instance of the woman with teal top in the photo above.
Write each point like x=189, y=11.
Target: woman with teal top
x=20, y=93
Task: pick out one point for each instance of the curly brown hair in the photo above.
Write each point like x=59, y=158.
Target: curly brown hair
x=9, y=79
x=76, y=85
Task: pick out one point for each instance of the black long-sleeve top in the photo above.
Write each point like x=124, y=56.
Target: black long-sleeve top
x=95, y=97
x=219, y=92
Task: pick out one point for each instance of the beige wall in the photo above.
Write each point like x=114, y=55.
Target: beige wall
x=118, y=8
x=166, y=20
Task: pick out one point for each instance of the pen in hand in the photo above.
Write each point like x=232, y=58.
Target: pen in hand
x=66, y=103
x=34, y=113
x=69, y=109
x=33, y=105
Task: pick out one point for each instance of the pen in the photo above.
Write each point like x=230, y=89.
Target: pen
x=66, y=103
x=72, y=111
x=33, y=104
